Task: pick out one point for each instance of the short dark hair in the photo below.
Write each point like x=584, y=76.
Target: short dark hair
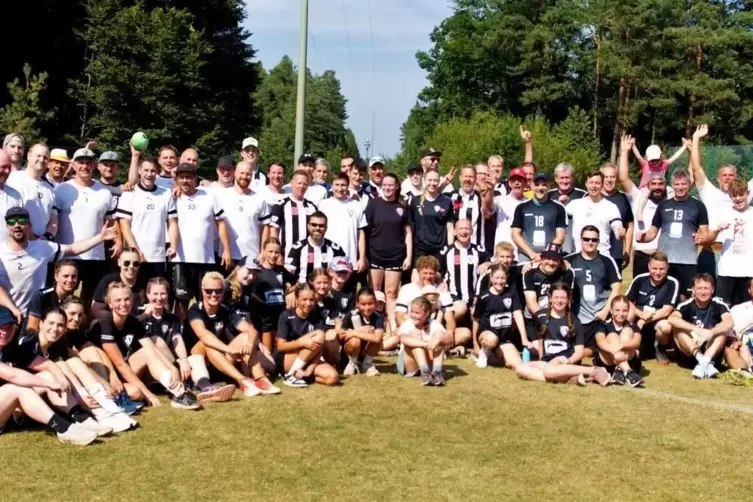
x=593, y=174
x=589, y=228
x=703, y=277
x=277, y=164
x=318, y=214
x=341, y=177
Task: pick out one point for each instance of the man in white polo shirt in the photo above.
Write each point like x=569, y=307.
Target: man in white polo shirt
x=36, y=192
x=250, y=153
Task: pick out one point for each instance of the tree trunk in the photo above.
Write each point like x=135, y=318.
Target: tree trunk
x=618, y=122
x=597, y=41
x=691, y=108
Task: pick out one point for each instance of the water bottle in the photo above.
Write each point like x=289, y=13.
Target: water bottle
x=526, y=355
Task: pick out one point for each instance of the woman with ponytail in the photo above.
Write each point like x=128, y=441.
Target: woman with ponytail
x=431, y=218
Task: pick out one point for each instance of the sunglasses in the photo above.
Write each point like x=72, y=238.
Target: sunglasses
x=128, y=263
x=217, y=291
x=589, y=239
x=318, y=225
x=13, y=221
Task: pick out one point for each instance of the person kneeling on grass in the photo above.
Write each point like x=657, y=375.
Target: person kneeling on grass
x=423, y=344
x=700, y=326
x=493, y=318
x=123, y=339
x=618, y=344
x=560, y=342
x=213, y=331
x=361, y=332
x=300, y=339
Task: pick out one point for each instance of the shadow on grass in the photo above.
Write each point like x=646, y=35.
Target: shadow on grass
x=390, y=368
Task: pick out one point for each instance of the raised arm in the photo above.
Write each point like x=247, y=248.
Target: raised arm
x=623, y=167
x=107, y=234
x=133, y=169
x=637, y=153
x=695, y=155
x=527, y=145
x=685, y=145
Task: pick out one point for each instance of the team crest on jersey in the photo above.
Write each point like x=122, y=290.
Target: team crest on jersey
x=294, y=210
x=399, y=211
x=507, y=302
x=311, y=258
x=344, y=302
x=128, y=339
x=564, y=330
x=279, y=278
x=218, y=327
x=438, y=208
x=165, y=327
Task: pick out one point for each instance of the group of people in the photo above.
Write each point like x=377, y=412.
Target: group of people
x=111, y=292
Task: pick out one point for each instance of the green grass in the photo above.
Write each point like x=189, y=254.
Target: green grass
x=486, y=435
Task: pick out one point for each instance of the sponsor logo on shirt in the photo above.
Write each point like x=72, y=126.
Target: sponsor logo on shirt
x=564, y=330
x=294, y=210
x=311, y=258
x=399, y=211
x=218, y=326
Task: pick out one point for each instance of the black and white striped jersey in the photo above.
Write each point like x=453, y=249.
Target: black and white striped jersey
x=260, y=181
x=467, y=206
x=304, y=257
x=290, y=216
x=460, y=267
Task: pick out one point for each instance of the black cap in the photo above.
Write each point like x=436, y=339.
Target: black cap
x=552, y=250
x=225, y=162
x=429, y=151
x=541, y=176
x=17, y=212
x=6, y=317
x=185, y=168
x=306, y=157
x=414, y=166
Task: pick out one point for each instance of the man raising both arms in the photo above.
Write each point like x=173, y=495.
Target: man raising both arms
x=538, y=221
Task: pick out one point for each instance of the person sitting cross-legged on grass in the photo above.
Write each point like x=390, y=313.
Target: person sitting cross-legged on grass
x=300, y=339
x=700, y=326
x=560, y=342
x=493, y=318
x=618, y=344
x=361, y=332
x=739, y=347
x=226, y=339
x=123, y=339
x=423, y=344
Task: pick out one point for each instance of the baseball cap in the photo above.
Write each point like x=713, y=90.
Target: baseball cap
x=429, y=290
x=6, y=317
x=653, y=152
x=541, y=176
x=109, y=157
x=552, y=250
x=59, y=154
x=83, y=154
x=380, y=297
x=340, y=264
x=250, y=141
x=655, y=175
x=10, y=137
x=226, y=162
x=16, y=212
x=429, y=151
x=251, y=264
x=414, y=166
x=376, y=160
x=517, y=171
x=185, y=168
x=306, y=157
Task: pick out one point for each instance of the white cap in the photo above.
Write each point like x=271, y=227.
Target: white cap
x=376, y=160
x=653, y=152
x=249, y=142
x=83, y=153
x=251, y=263
x=59, y=154
x=429, y=290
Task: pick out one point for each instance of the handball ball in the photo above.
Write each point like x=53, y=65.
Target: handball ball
x=139, y=141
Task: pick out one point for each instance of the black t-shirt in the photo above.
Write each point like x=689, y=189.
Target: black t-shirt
x=679, y=221
x=539, y=223
x=126, y=337
x=514, y=281
x=164, y=327
x=329, y=311
x=291, y=327
x=241, y=306
x=29, y=344
x=224, y=324
x=101, y=292
x=344, y=301
x=619, y=199
x=707, y=317
x=575, y=193
x=429, y=221
x=611, y=327
x=351, y=319
x=558, y=338
x=537, y=281
x=644, y=294
x=494, y=312
x=17, y=355
x=42, y=301
x=268, y=296
x=386, y=227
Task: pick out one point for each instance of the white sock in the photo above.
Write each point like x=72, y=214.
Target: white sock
x=298, y=364
x=176, y=389
x=702, y=359
x=353, y=360
x=199, y=371
x=100, y=395
x=368, y=361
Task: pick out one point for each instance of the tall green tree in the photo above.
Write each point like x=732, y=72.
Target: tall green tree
x=24, y=114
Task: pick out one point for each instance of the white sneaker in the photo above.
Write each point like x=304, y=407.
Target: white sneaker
x=249, y=389
x=711, y=371
x=482, y=361
x=95, y=426
x=77, y=434
x=699, y=371
x=118, y=422
x=371, y=371
x=350, y=370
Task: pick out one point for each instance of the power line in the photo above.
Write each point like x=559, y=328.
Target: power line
x=316, y=49
x=350, y=53
x=374, y=100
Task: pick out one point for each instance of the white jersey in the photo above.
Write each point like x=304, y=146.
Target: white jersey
x=344, y=220
x=197, y=221
x=243, y=214
x=82, y=212
x=51, y=182
x=37, y=198
x=742, y=315
x=148, y=211
x=634, y=197
x=736, y=259
x=411, y=291
x=435, y=328
x=9, y=198
x=24, y=273
x=716, y=202
x=600, y=214
x=505, y=205
x=407, y=189
x=166, y=182
x=270, y=196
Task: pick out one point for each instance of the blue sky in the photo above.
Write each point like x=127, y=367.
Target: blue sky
x=400, y=29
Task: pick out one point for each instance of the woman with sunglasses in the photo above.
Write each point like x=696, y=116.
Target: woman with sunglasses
x=128, y=263
x=65, y=284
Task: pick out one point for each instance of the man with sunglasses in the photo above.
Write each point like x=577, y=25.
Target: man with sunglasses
x=23, y=262
x=315, y=251
x=129, y=264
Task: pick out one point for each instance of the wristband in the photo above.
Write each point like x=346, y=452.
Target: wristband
x=48, y=236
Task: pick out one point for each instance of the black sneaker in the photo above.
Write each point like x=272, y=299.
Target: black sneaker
x=618, y=377
x=426, y=378
x=634, y=379
x=185, y=401
x=438, y=380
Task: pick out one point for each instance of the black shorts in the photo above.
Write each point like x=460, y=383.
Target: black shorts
x=90, y=272
x=394, y=265
x=684, y=275
x=634, y=363
x=590, y=329
x=640, y=263
x=187, y=279
x=733, y=290
x=565, y=353
x=149, y=270
x=504, y=335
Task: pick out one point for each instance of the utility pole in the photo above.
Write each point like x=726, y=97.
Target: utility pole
x=367, y=144
x=300, y=108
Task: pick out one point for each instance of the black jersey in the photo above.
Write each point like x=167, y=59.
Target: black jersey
x=429, y=219
x=679, y=221
x=127, y=337
x=537, y=281
x=17, y=355
x=304, y=257
x=344, y=301
x=223, y=324
x=645, y=295
x=611, y=327
x=100, y=293
x=354, y=320
x=268, y=297
x=291, y=327
x=42, y=301
x=575, y=193
x=593, y=284
x=494, y=312
x=242, y=305
x=703, y=317
x=617, y=246
x=166, y=327
x=460, y=267
x=386, y=230
x=539, y=222
x=514, y=281
x=329, y=311
x=559, y=338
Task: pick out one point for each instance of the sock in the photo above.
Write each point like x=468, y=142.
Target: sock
x=353, y=360
x=438, y=365
x=77, y=414
x=59, y=424
x=176, y=389
x=702, y=359
x=298, y=364
x=99, y=394
x=368, y=361
x=424, y=368
x=199, y=372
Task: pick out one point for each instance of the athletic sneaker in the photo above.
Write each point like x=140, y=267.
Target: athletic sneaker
x=661, y=355
x=249, y=388
x=618, y=377
x=351, y=369
x=128, y=405
x=266, y=387
x=579, y=380
x=482, y=360
x=601, y=376
x=293, y=381
x=371, y=371
x=119, y=422
x=634, y=379
x=458, y=352
x=94, y=426
x=438, y=379
x=699, y=371
x=216, y=394
x=185, y=401
x=77, y=434
x=427, y=378
x=711, y=371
